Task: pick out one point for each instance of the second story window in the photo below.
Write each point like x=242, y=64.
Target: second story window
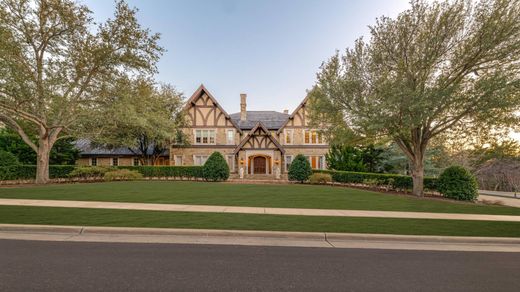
x=136, y=161
x=93, y=161
x=288, y=137
x=313, y=137
x=230, y=137
x=115, y=161
x=204, y=136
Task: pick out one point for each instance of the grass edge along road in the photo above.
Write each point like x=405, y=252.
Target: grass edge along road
x=157, y=219
x=227, y=194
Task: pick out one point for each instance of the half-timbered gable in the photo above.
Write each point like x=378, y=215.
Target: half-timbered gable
x=203, y=111
x=259, y=138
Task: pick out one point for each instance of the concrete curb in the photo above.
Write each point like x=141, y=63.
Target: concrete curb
x=257, y=238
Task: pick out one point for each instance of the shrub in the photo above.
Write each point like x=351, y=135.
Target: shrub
x=389, y=181
x=300, y=169
x=8, y=159
x=167, y=171
x=320, y=178
x=458, y=183
x=122, y=174
x=89, y=172
x=215, y=168
x=18, y=172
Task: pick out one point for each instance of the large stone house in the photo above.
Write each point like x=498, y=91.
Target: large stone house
x=259, y=142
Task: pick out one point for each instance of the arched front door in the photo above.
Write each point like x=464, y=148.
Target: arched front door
x=259, y=165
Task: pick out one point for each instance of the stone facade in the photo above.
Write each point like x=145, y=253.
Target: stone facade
x=255, y=141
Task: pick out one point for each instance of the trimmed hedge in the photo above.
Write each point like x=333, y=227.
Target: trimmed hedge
x=190, y=172
x=394, y=181
x=26, y=172
x=19, y=172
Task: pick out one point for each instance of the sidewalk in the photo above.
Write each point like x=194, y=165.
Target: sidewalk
x=255, y=210
x=502, y=200
x=256, y=238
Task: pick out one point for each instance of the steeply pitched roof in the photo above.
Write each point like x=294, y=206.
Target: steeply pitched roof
x=197, y=94
x=252, y=132
x=302, y=104
x=270, y=119
x=87, y=148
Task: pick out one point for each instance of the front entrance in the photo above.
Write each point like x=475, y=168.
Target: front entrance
x=259, y=164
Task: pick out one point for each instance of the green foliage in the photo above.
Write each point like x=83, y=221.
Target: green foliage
x=144, y=117
x=122, y=174
x=347, y=158
x=300, y=169
x=363, y=159
x=436, y=66
x=8, y=159
x=25, y=172
x=320, y=178
x=391, y=181
x=59, y=67
x=458, y=183
x=62, y=153
x=89, y=171
x=178, y=172
x=215, y=168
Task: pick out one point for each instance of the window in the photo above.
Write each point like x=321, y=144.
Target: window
x=313, y=137
x=230, y=137
x=288, y=137
x=288, y=161
x=231, y=162
x=199, y=159
x=93, y=161
x=317, y=162
x=136, y=161
x=178, y=160
x=204, y=136
x=115, y=161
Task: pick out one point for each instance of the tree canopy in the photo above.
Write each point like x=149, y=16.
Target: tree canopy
x=56, y=63
x=143, y=116
x=436, y=66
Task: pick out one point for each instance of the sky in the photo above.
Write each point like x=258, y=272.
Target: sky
x=269, y=49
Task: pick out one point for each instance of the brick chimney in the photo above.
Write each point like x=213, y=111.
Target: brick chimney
x=286, y=111
x=243, y=111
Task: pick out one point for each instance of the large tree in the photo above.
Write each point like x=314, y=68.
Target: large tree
x=144, y=117
x=55, y=63
x=434, y=67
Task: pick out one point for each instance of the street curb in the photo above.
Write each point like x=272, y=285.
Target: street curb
x=311, y=236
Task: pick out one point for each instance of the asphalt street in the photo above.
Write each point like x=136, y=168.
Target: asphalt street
x=71, y=266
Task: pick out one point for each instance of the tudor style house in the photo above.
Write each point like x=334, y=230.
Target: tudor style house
x=259, y=142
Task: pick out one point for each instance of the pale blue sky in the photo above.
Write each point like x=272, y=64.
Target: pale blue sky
x=269, y=49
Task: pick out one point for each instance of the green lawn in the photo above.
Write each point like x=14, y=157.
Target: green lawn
x=126, y=218
x=285, y=196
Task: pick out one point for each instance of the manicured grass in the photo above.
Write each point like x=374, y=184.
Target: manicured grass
x=125, y=218
x=283, y=196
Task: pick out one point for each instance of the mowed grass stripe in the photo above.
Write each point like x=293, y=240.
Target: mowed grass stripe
x=125, y=218
x=223, y=194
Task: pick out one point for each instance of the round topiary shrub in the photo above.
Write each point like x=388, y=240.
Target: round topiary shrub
x=8, y=159
x=458, y=183
x=300, y=169
x=215, y=168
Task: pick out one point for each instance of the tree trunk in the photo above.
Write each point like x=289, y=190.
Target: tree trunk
x=42, y=161
x=418, y=178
